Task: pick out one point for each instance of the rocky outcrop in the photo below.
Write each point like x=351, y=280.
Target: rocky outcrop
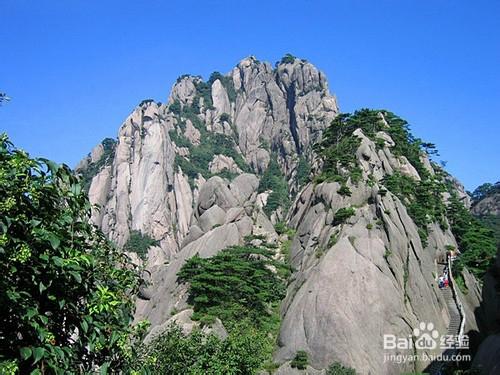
x=490, y=205
x=220, y=220
x=263, y=110
x=223, y=163
x=364, y=277
x=355, y=279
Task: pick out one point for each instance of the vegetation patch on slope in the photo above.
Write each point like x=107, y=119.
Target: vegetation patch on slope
x=93, y=169
x=273, y=179
x=242, y=286
x=338, y=149
x=201, y=155
x=423, y=198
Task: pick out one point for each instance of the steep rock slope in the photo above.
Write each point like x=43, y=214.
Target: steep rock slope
x=230, y=124
x=199, y=173
x=364, y=266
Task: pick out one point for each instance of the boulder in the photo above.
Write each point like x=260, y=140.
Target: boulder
x=212, y=217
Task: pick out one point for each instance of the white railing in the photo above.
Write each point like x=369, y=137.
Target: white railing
x=459, y=304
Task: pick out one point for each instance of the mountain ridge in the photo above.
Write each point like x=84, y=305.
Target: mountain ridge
x=219, y=163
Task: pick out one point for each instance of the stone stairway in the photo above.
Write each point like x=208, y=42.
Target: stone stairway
x=436, y=367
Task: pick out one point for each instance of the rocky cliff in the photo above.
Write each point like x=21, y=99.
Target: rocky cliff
x=191, y=175
x=231, y=123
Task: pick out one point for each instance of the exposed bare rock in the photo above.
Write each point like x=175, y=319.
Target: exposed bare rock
x=286, y=369
x=487, y=206
x=364, y=278
x=354, y=281
x=192, y=134
x=96, y=153
x=220, y=98
x=212, y=217
x=215, y=191
x=98, y=193
x=243, y=186
x=280, y=111
x=184, y=321
x=184, y=90
x=223, y=163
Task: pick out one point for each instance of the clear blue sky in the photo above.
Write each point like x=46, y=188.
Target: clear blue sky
x=75, y=69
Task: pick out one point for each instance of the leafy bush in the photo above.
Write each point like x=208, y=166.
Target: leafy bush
x=59, y=274
x=492, y=222
x=344, y=191
x=174, y=353
x=300, y=361
x=139, y=243
x=343, y=214
x=337, y=368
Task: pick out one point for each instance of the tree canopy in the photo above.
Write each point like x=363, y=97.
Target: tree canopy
x=66, y=292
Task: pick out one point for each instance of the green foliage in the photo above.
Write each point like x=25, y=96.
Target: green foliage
x=175, y=107
x=339, y=145
x=303, y=171
x=338, y=149
x=300, y=361
x=93, y=169
x=146, y=101
x=492, y=222
x=225, y=118
x=235, y=284
x=344, y=191
x=273, y=179
x=179, y=139
x=287, y=59
x=337, y=368
x=475, y=241
x=227, y=83
x=485, y=190
x=423, y=199
x=387, y=253
x=333, y=239
x=139, y=243
x=201, y=155
x=59, y=274
x=343, y=214
x=280, y=228
x=204, y=91
x=174, y=353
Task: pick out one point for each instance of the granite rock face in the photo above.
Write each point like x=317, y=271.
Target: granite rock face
x=365, y=277
x=187, y=174
x=261, y=110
